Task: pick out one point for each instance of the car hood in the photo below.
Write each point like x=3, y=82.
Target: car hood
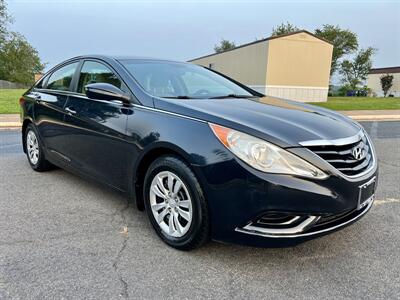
x=283, y=122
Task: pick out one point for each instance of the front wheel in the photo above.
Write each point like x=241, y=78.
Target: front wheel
x=175, y=203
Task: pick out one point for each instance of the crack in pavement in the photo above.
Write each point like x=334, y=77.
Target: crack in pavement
x=124, y=292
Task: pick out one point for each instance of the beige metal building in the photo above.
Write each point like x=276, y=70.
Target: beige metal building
x=293, y=66
x=374, y=81
x=38, y=76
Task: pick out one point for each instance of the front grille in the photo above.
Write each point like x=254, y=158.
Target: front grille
x=342, y=157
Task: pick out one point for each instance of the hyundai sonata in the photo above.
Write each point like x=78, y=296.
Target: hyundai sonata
x=205, y=156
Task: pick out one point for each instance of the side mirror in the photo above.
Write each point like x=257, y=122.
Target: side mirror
x=105, y=91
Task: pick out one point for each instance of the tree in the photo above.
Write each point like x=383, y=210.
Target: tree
x=19, y=60
x=224, y=45
x=356, y=71
x=4, y=20
x=386, y=83
x=284, y=29
x=344, y=42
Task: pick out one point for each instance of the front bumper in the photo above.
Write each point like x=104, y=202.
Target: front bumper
x=310, y=226
x=238, y=196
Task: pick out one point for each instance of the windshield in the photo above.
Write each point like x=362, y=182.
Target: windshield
x=181, y=80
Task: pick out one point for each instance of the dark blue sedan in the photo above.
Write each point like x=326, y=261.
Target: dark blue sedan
x=204, y=155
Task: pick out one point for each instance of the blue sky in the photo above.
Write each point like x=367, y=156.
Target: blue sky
x=183, y=30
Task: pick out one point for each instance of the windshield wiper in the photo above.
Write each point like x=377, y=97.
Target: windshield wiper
x=178, y=97
x=233, y=96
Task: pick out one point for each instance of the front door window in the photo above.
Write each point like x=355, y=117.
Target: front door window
x=94, y=72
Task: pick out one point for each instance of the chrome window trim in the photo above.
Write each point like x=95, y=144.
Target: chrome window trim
x=82, y=96
x=57, y=92
x=299, y=235
x=337, y=142
x=167, y=112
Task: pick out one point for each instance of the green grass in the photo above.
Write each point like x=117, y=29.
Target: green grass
x=360, y=103
x=9, y=100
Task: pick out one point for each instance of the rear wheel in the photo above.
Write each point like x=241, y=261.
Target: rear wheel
x=34, y=150
x=175, y=203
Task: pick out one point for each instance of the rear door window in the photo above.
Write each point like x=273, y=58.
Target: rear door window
x=61, y=79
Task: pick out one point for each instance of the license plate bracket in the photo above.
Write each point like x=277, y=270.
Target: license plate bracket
x=366, y=193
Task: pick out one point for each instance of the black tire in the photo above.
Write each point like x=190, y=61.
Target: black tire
x=41, y=164
x=198, y=232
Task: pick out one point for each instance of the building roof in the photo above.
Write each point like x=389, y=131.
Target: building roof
x=263, y=40
x=384, y=70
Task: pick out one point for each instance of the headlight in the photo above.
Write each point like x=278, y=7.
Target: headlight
x=264, y=156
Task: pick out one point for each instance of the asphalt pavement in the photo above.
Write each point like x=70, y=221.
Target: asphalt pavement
x=62, y=237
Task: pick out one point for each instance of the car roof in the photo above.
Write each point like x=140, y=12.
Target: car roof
x=123, y=57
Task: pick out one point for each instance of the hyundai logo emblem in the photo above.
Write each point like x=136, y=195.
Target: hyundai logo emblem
x=358, y=153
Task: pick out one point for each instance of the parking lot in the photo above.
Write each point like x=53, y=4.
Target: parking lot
x=63, y=237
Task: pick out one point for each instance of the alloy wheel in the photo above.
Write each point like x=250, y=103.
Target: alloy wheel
x=32, y=146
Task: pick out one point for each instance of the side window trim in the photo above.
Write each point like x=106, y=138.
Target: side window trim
x=75, y=79
x=44, y=85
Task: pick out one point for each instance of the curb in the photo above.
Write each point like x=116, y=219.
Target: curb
x=10, y=125
x=376, y=117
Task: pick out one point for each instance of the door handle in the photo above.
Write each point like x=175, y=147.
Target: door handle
x=70, y=110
